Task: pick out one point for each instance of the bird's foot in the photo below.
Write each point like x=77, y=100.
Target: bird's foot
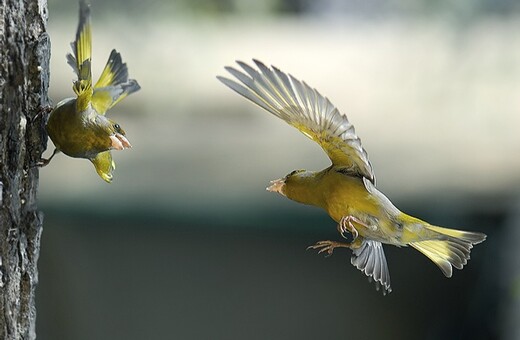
x=43, y=112
x=328, y=246
x=346, y=224
x=43, y=162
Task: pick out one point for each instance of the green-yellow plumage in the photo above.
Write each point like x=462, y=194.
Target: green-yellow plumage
x=346, y=189
x=78, y=126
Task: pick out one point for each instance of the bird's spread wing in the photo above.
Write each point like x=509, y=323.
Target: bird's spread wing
x=304, y=108
x=370, y=259
x=82, y=58
x=113, y=84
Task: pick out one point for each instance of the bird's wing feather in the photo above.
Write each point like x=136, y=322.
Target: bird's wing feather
x=115, y=71
x=82, y=59
x=104, y=165
x=113, y=84
x=104, y=98
x=370, y=259
x=307, y=110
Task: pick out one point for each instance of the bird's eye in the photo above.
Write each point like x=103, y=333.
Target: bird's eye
x=117, y=127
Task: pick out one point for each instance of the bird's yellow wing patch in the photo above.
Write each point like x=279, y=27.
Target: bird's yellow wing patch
x=307, y=110
x=115, y=71
x=113, y=84
x=102, y=101
x=82, y=59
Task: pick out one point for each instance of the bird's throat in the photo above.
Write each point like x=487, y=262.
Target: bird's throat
x=305, y=189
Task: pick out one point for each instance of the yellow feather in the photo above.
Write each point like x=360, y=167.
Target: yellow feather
x=83, y=39
x=83, y=55
x=102, y=101
x=437, y=251
x=106, y=77
x=104, y=165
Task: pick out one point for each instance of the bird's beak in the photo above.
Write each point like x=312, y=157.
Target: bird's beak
x=119, y=142
x=278, y=186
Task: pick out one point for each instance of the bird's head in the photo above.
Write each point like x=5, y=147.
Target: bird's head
x=280, y=185
x=117, y=136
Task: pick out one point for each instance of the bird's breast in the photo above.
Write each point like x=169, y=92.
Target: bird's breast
x=346, y=195
x=73, y=134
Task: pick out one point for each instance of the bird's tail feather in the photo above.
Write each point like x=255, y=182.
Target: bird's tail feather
x=451, y=249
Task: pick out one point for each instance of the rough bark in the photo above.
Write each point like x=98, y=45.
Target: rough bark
x=24, y=78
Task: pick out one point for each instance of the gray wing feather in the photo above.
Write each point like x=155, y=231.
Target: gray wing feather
x=302, y=106
x=370, y=259
x=116, y=91
x=71, y=60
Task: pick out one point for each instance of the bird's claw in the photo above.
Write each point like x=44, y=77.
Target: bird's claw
x=328, y=247
x=346, y=224
x=43, y=162
x=42, y=112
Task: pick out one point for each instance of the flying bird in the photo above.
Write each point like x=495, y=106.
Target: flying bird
x=78, y=126
x=346, y=190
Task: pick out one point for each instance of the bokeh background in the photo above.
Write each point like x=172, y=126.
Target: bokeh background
x=186, y=243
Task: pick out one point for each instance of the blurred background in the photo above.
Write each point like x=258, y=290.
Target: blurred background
x=187, y=244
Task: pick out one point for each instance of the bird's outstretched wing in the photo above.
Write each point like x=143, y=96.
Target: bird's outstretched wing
x=370, y=259
x=82, y=59
x=113, y=84
x=307, y=110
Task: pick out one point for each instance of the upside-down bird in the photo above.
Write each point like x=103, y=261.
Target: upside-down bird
x=78, y=126
x=347, y=188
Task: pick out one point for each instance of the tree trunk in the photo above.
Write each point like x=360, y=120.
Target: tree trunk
x=24, y=79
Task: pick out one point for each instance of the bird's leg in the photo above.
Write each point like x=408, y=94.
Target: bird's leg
x=329, y=246
x=42, y=112
x=43, y=162
x=346, y=224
